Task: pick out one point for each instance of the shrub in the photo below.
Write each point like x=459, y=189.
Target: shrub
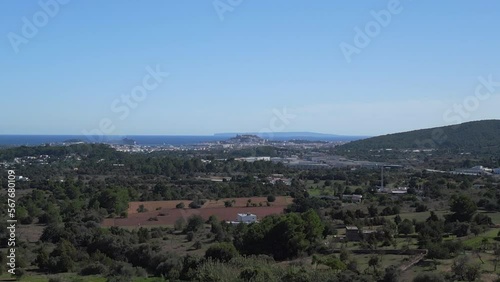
x=94, y=269
x=421, y=208
x=56, y=279
x=429, y=277
x=195, y=223
x=195, y=205
x=222, y=252
x=197, y=245
x=20, y=272
x=271, y=198
x=256, y=274
x=142, y=209
x=179, y=223
x=180, y=205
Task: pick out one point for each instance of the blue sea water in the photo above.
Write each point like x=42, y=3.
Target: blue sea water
x=33, y=140
x=153, y=140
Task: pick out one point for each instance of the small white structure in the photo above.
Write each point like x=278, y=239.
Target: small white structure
x=254, y=159
x=22, y=178
x=355, y=198
x=245, y=218
x=477, y=170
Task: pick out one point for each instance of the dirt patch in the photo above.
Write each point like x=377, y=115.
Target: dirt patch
x=238, y=202
x=165, y=213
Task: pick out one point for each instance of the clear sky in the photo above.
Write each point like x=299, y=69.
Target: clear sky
x=233, y=64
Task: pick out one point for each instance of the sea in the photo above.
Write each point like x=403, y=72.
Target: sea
x=155, y=140
x=147, y=140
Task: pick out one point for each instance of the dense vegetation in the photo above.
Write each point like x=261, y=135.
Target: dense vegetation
x=479, y=138
x=441, y=217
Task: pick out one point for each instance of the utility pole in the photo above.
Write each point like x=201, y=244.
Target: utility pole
x=382, y=184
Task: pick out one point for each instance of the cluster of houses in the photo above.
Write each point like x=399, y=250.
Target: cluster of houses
x=274, y=178
x=477, y=170
x=393, y=191
x=29, y=160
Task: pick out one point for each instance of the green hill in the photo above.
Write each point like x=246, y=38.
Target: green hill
x=478, y=137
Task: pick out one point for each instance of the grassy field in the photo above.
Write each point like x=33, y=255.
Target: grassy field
x=477, y=241
x=316, y=189
x=71, y=277
x=385, y=261
x=419, y=216
x=486, y=261
x=495, y=217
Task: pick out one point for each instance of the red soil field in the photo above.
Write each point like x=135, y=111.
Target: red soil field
x=239, y=202
x=168, y=214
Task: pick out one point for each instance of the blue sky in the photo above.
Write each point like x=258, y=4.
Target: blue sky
x=233, y=73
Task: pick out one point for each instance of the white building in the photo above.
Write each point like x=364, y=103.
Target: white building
x=244, y=218
x=22, y=178
x=254, y=159
x=477, y=170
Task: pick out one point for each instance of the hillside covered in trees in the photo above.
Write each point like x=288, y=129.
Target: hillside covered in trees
x=471, y=137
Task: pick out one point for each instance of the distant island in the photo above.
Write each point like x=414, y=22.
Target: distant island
x=285, y=136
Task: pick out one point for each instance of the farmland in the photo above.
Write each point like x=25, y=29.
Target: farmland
x=166, y=213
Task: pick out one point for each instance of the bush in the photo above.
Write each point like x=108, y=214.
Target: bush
x=20, y=272
x=141, y=209
x=256, y=274
x=179, y=223
x=121, y=271
x=197, y=245
x=429, y=277
x=222, y=252
x=56, y=279
x=180, y=205
x=94, y=269
x=196, y=204
x=190, y=236
x=421, y=208
x=271, y=198
x=195, y=223
x=463, y=269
